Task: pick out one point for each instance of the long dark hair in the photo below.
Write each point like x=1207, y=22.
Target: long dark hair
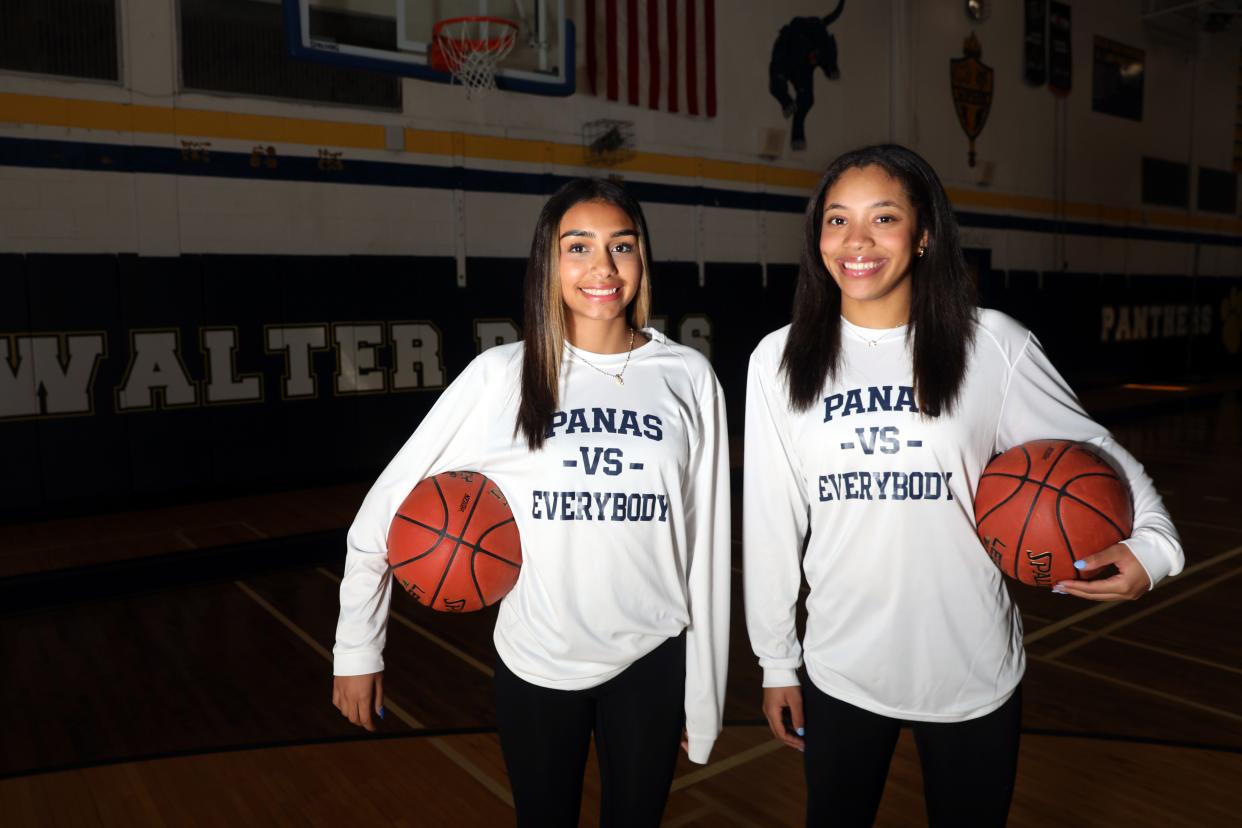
x=545, y=310
x=942, y=310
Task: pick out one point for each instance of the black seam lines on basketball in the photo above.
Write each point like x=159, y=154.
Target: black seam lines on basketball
x=1010, y=476
x=441, y=534
x=1063, y=495
x=443, y=502
x=474, y=547
x=465, y=525
x=1013, y=476
x=1091, y=506
x=1034, y=502
x=1069, y=547
x=478, y=544
x=474, y=576
x=1007, y=498
x=426, y=526
x=1023, y=477
x=479, y=550
x=493, y=555
x=1056, y=488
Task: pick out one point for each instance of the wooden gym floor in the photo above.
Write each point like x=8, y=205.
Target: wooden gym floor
x=187, y=681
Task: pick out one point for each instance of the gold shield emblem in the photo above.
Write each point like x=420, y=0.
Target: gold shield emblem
x=972, y=90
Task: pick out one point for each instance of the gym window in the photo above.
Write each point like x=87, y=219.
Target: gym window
x=1218, y=190
x=1166, y=183
x=71, y=38
x=238, y=47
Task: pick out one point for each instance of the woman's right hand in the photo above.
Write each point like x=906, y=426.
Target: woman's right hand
x=357, y=696
x=775, y=701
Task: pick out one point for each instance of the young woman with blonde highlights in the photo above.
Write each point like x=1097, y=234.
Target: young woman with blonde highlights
x=610, y=444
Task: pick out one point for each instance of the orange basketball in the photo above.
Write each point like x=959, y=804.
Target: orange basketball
x=453, y=544
x=1045, y=504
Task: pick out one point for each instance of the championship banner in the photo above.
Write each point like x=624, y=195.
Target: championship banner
x=1035, y=42
x=972, y=84
x=1060, y=51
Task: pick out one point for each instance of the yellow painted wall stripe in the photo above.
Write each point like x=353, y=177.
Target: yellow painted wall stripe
x=286, y=130
x=1096, y=213
x=201, y=123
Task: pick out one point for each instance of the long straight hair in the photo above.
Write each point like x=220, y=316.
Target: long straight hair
x=544, y=323
x=942, y=310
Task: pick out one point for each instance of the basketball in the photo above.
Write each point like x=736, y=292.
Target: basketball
x=1043, y=505
x=453, y=544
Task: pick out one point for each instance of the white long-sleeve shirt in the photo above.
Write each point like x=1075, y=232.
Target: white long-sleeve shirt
x=624, y=519
x=907, y=615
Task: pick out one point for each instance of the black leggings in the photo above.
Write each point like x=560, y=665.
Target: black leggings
x=968, y=767
x=637, y=719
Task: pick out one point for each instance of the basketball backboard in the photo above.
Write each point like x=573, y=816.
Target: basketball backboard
x=396, y=36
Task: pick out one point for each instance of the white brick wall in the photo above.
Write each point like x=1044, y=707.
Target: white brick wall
x=44, y=210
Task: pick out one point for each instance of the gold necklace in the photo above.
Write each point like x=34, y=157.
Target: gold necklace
x=871, y=343
x=617, y=376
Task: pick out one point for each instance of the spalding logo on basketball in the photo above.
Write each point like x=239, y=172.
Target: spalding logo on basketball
x=453, y=544
x=1043, y=505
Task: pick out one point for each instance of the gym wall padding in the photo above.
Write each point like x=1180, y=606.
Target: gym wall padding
x=110, y=459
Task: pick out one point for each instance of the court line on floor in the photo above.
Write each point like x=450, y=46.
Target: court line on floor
x=249, y=747
x=457, y=732
x=425, y=633
x=1093, y=735
x=1204, y=662
x=473, y=770
x=258, y=532
x=1071, y=620
x=727, y=813
x=1140, y=688
x=680, y=783
x=1204, y=525
x=726, y=764
x=763, y=749
x=689, y=816
x=1136, y=616
x=1164, y=651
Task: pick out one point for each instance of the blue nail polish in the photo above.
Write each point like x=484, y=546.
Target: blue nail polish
x=801, y=731
x=1080, y=564
x=381, y=713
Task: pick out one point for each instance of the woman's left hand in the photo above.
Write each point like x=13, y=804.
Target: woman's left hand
x=1130, y=582
x=685, y=741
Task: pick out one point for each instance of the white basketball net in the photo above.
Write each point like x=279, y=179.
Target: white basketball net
x=472, y=48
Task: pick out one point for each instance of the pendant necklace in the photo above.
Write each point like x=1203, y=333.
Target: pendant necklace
x=871, y=343
x=617, y=376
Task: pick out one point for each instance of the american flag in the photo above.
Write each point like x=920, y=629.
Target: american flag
x=655, y=53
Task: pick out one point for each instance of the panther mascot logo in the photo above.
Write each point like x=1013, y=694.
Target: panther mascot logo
x=803, y=45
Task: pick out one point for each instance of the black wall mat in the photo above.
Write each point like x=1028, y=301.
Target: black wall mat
x=263, y=350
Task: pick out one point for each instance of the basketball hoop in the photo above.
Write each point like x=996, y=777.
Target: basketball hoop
x=471, y=48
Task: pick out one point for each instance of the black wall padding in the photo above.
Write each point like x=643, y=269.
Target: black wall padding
x=21, y=486
x=1162, y=328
